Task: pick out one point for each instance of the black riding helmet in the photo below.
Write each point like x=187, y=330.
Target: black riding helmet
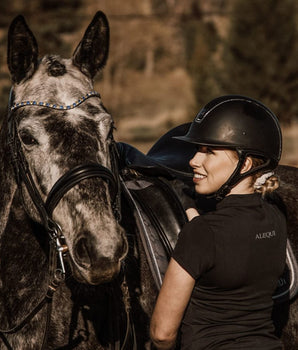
x=239, y=123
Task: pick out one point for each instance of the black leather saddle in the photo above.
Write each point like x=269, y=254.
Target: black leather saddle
x=146, y=185
x=158, y=211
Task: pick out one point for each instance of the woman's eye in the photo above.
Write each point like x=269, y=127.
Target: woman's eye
x=28, y=139
x=204, y=149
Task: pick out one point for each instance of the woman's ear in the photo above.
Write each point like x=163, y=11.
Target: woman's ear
x=246, y=165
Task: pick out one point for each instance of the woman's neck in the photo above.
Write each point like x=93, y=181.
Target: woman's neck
x=243, y=187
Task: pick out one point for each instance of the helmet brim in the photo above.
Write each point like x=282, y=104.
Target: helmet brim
x=204, y=143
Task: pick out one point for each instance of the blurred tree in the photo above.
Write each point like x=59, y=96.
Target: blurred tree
x=260, y=54
x=4, y=9
x=56, y=5
x=144, y=46
x=201, y=41
x=54, y=21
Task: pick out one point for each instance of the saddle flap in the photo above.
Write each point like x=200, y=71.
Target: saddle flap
x=159, y=218
x=287, y=287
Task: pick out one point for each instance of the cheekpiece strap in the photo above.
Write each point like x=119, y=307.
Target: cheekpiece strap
x=53, y=105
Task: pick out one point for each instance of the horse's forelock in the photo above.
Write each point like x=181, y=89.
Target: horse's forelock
x=55, y=67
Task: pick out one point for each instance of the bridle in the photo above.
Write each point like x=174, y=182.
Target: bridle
x=72, y=177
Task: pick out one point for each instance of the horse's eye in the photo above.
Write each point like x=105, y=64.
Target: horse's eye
x=110, y=134
x=28, y=139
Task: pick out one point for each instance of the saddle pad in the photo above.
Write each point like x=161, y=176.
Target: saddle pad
x=159, y=216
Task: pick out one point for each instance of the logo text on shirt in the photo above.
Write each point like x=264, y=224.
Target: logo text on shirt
x=264, y=235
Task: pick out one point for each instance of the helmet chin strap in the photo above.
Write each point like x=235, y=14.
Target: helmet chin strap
x=232, y=180
x=236, y=176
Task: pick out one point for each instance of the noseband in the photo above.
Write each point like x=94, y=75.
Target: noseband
x=64, y=183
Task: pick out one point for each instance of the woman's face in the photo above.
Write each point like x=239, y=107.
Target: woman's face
x=212, y=168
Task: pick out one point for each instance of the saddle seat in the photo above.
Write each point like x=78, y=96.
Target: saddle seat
x=158, y=211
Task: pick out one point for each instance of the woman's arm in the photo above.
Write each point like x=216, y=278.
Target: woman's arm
x=170, y=306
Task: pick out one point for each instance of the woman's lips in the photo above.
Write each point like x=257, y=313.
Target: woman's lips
x=197, y=177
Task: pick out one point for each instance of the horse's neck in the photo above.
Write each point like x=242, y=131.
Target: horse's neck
x=24, y=266
x=7, y=181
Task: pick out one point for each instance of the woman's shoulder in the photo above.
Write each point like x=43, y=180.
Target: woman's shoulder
x=276, y=202
x=201, y=220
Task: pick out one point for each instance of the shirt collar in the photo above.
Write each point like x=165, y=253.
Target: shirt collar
x=246, y=200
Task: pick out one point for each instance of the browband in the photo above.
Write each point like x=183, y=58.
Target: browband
x=53, y=105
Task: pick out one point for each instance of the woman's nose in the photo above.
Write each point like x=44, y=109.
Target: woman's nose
x=196, y=161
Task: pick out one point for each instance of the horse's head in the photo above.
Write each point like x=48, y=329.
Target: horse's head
x=54, y=141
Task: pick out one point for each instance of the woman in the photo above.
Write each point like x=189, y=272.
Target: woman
x=226, y=264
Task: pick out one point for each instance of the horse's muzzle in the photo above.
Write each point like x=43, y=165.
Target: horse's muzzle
x=95, y=264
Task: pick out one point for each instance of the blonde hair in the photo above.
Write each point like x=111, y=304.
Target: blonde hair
x=271, y=182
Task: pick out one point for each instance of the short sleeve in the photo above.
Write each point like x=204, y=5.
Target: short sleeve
x=195, y=247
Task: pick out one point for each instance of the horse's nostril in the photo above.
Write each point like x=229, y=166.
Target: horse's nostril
x=82, y=251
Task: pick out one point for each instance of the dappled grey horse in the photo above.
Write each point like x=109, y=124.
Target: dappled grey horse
x=61, y=242
x=73, y=274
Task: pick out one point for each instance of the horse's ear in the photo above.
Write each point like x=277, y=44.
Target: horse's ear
x=22, y=52
x=92, y=52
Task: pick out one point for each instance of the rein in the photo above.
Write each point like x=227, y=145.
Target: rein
x=58, y=247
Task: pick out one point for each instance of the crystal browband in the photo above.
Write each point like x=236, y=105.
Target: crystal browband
x=53, y=105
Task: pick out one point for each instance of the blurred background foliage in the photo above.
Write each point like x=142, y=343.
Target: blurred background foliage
x=170, y=57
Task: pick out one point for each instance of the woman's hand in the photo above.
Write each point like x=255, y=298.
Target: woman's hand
x=185, y=193
x=170, y=306
x=191, y=213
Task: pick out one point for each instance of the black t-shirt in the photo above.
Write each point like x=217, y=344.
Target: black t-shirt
x=236, y=255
